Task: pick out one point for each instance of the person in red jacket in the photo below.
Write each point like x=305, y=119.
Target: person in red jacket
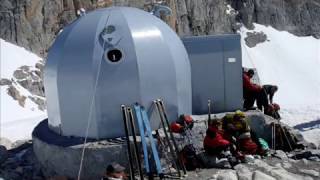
x=251, y=91
x=214, y=142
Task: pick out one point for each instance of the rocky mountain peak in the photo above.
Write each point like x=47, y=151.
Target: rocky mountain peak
x=34, y=24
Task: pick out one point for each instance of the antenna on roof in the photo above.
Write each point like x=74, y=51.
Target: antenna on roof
x=81, y=12
x=159, y=10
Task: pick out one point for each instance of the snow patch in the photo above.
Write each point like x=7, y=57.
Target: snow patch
x=230, y=10
x=12, y=57
x=292, y=63
x=17, y=122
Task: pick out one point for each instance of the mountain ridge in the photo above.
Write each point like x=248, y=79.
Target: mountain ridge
x=34, y=24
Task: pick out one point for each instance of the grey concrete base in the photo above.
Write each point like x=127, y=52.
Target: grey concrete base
x=59, y=155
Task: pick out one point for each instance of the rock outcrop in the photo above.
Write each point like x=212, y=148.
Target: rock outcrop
x=30, y=79
x=3, y=154
x=254, y=38
x=34, y=24
x=15, y=94
x=299, y=17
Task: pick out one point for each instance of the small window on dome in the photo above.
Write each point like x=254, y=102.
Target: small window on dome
x=114, y=55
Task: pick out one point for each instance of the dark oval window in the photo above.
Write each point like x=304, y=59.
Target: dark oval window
x=114, y=55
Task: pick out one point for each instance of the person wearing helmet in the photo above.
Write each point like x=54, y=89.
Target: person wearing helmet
x=242, y=128
x=182, y=124
x=235, y=124
x=186, y=120
x=177, y=128
x=240, y=123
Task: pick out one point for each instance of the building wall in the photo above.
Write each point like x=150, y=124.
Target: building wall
x=216, y=69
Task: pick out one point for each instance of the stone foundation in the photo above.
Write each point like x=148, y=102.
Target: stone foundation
x=60, y=155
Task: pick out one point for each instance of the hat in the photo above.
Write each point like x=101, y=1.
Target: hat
x=251, y=71
x=240, y=114
x=115, y=168
x=176, y=127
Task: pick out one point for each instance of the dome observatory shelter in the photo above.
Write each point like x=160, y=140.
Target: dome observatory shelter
x=109, y=57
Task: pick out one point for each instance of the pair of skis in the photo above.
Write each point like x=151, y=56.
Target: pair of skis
x=133, y=154
x=144, y=126
x=177, y=161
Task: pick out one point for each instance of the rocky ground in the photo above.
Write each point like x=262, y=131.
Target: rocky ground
x=20, y=163
x=264, y=169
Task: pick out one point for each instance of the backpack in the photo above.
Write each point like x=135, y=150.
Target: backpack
x=189, y=158
x=273, y=111
x=186, y=121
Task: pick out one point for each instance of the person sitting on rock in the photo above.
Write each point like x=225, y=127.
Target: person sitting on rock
x=214, y=142
x=235, y=124
x=226, y=134
x=115, y=171
x=244, y=141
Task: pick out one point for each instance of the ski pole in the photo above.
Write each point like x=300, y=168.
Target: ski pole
x=173, y=155
x=209, y=113
x=160, y=102
x=163, y=149
x=272, y=135
x=287, y=139
x=136, y=149
x=125, y=121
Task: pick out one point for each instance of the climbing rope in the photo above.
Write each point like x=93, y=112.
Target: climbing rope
x=91, y=109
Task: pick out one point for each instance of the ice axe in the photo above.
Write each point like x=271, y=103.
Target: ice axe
x=209, y=113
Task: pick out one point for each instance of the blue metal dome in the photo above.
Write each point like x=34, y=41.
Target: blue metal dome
x=110, y=57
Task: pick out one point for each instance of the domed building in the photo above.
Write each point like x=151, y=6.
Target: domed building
x=111, y=57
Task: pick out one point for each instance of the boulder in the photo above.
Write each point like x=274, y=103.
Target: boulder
x=254, y=38
x=6, y=143
x=227, y=175
x=310, y=172
x=4, y=82
x=40, y=66
x=261, y=125
x=281, y=155
x=258, y=175
x=25, y=68
x=3, y=154
x=15, y=94
x=20, y=74
x=243, y=172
